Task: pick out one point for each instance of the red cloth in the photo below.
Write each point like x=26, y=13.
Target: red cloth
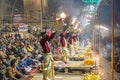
x=77, y=37
x=58, y=50
x=63, y=40
x=45, y=42
x=33, y=70
x=49, y=33
x=63, y=34
x=74, y=38
x=70, y=40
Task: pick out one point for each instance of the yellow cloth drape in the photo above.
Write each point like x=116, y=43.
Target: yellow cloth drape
x=48, y=69
x=65, y=54
x=72, y=51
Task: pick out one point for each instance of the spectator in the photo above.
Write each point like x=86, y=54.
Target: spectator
x=2, y=53
x=12, y=72
x=2, y=70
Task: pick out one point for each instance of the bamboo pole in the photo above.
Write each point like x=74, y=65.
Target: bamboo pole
x=112, y=38
x=12, y=14
x=41, y=14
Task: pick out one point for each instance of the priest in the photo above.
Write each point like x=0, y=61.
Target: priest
x=48, y=63
x=71, y=47
x=64, y=44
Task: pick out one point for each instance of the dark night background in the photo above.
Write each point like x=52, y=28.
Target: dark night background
x=105, y=13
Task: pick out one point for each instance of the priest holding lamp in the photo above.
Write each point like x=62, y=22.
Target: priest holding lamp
x=65, y=51
x=48, y=63
x=71, y=47
x=75, y=43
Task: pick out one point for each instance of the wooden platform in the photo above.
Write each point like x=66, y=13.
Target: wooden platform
x=71, y=64
x=38, y=76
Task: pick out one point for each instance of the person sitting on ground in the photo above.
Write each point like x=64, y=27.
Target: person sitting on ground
x=2, y=53
x=21, y=66
x=36, y=62
x=12, y=72
x=6, y=61
x=2, y=70
x=28, y=64
x=24, y=50
x=28, y=61
x=29, y=48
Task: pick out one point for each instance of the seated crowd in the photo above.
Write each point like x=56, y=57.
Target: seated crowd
x=19, y=58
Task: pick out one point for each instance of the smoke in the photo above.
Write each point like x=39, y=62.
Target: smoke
x=71, y=7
